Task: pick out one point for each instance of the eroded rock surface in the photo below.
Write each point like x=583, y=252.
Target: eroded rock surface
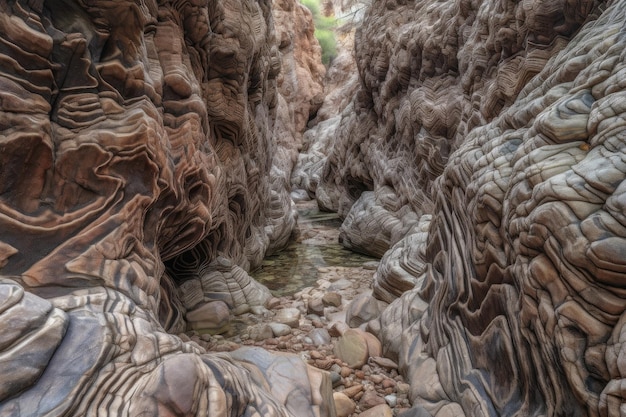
x=300, y=95
x=504, y=122
x=136, y=164
x=340, y=84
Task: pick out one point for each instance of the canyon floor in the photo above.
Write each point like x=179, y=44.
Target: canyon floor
x=314, y=281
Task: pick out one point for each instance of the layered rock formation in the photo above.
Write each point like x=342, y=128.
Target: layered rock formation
x=340, y=85
x=300, y=96
x=136, y=151
x=486, y=150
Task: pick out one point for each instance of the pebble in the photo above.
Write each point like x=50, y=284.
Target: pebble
x=388, y=383
x=317, y=323
x=392, y=400
x=344, y=406
x=324, y=363
x=345, y=371
x=377, y=379
x=353, y=390
x=259, y=310
x=335, y=378
x=314, y=354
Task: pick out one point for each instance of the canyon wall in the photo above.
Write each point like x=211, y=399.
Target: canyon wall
x=138, y=185
x=484, y=156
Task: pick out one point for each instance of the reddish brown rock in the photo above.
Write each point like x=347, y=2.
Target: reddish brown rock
x=138, y=182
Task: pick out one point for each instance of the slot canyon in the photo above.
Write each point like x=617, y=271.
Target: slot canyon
x=203, y=215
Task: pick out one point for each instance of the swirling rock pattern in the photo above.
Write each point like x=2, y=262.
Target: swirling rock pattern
x=136, y=146
x=505, y=122
x=430, y=73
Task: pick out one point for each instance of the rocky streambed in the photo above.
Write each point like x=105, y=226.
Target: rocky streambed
x=317, y=284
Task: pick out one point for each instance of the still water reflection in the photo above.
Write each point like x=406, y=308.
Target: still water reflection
x=297, y=266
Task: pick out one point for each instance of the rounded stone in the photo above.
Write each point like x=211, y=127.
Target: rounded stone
x=279, y=329
x=320, y=337
x=315, y=306
x=331, y=299
x=288, y=316
x=351, y=348
x=344, y=406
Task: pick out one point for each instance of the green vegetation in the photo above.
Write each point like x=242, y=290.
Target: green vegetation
x=324, y=30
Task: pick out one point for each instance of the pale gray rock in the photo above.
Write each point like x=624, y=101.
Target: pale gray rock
x=319, y=337
x=280, y=329
x=288, y=316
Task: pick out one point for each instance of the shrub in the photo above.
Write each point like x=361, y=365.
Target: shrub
x=324, y=31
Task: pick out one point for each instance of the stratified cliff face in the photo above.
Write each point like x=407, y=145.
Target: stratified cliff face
x=136, y=150
x=493, y=133
x=300, y=96
x=431, y=73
